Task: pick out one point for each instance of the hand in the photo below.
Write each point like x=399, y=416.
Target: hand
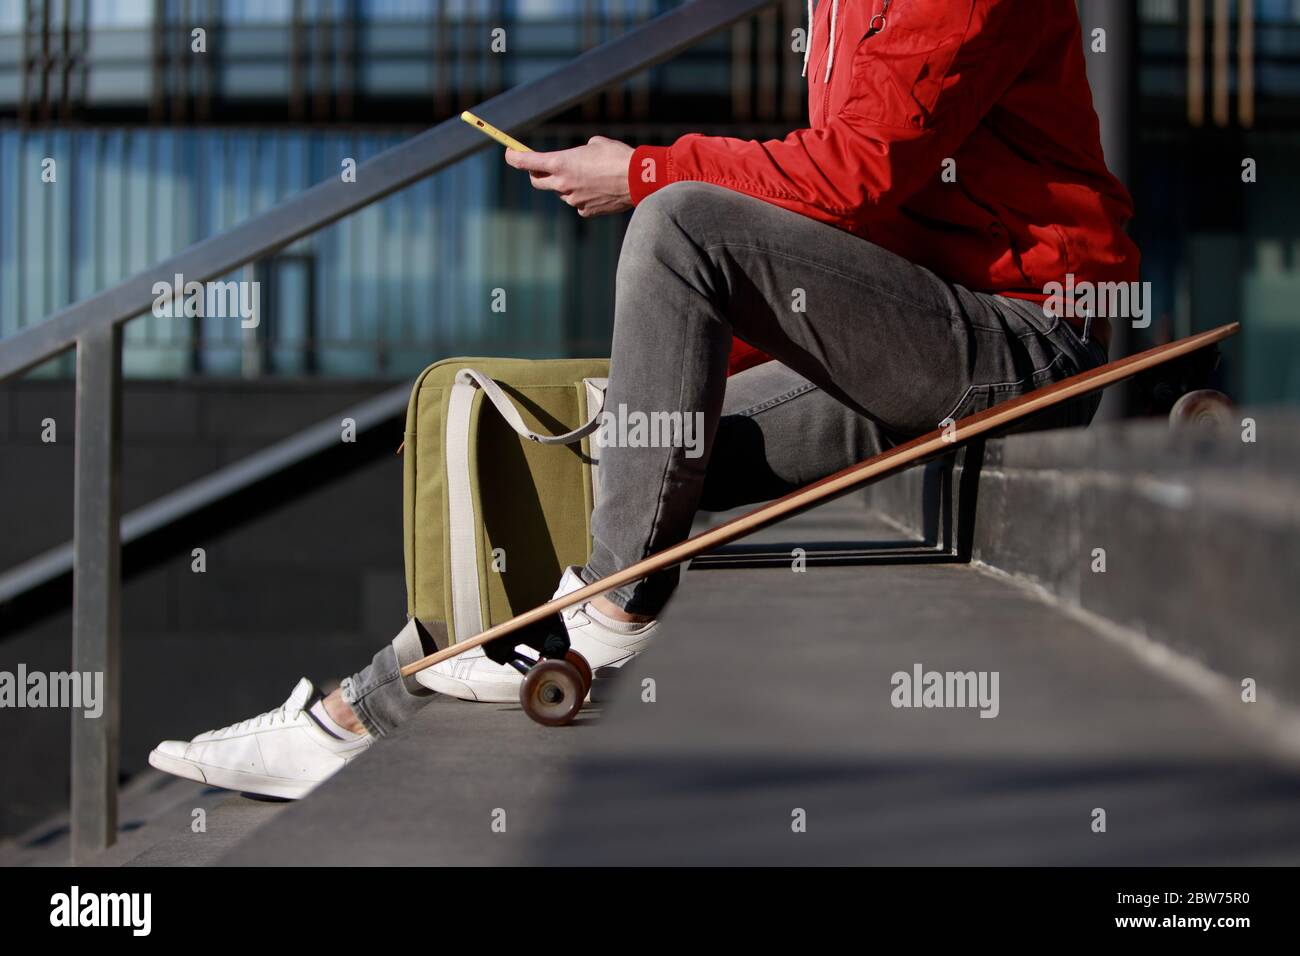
x=592, y=178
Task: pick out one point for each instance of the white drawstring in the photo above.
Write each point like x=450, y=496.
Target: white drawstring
x=830, y=52
x=807, y=46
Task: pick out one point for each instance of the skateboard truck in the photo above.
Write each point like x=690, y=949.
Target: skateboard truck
x=1184, y=390
x=556, y=681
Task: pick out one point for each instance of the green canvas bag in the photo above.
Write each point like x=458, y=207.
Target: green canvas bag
x=499, y=481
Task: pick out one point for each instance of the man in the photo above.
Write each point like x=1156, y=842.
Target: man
x=892, y=259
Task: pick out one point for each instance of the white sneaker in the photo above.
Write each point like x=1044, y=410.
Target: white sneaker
x=472, y=676
x=282, y=753
x=602, y=646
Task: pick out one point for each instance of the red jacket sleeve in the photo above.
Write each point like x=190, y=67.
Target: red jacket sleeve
x=918, y=89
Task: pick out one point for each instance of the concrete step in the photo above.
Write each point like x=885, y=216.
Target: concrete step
x=772, y=694
x=1199, y=532
x=174, y=686
x=163, y=821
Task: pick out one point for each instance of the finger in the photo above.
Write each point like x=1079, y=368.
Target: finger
x=554, y=184
x=533, y=162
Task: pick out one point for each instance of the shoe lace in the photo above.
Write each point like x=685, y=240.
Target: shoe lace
x=269, y=719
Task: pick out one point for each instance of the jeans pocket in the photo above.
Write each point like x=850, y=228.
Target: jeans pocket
x=979, y=398
x=1028, y=318
x=976, y=400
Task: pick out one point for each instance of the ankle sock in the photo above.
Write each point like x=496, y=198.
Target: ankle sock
x=318, y=713
x=618, y=627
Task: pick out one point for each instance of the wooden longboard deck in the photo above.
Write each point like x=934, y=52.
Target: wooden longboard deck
x=937, y=442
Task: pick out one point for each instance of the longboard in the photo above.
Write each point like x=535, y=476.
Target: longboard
x=551, y=685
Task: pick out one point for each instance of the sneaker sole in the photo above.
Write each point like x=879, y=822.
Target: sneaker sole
x=231, y=779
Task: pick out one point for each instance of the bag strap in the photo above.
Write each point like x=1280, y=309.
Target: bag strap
x=466, y=618
x=495, y=394
x=462, y=532
x=596, y=389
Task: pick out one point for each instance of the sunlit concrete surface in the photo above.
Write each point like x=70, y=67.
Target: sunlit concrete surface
x=773, y=694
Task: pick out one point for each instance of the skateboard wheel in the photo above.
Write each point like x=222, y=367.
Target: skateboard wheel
x=584, y=670
x=552, y=692
x=1202, y=407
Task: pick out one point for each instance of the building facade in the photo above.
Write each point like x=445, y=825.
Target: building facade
x=155, y=146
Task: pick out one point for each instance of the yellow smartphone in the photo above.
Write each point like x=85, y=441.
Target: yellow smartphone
x=483, y=126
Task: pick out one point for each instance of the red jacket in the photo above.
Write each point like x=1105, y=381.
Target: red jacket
x=960, y=135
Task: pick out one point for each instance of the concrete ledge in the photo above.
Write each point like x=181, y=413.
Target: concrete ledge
x=1199, y=532
x=772, y=695
x=769, y=699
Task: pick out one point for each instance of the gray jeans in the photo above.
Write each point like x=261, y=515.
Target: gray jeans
x=378, y=694
x=872, y=350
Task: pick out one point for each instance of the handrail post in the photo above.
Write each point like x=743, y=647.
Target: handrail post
x=96, y=602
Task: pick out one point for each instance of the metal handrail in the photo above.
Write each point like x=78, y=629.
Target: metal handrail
x=94, y=327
